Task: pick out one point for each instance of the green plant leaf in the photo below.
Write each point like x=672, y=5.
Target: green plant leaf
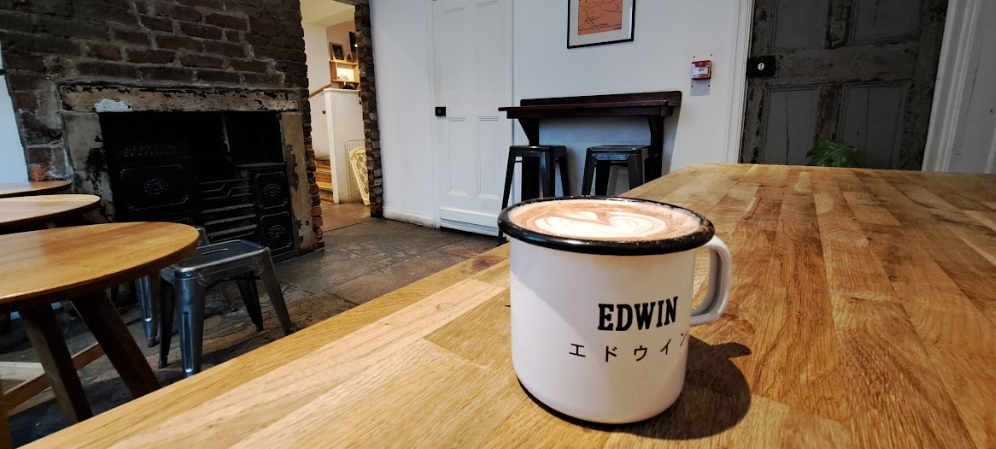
x=828, y=153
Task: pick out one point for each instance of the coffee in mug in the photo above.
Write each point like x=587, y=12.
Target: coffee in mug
x=601, y=292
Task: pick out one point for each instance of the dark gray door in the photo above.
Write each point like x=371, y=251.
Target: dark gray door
x=856, y=71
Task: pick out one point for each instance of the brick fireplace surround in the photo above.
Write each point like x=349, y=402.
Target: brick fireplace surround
x=67, y=61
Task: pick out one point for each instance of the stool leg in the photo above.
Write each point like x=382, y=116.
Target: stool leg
x=635, y=166
x=190, y=300
x=247, y=288
x=589, y=172
x=109, y=330
x=565, y=182
x=602, y=177
x=147, y=304
x=43, y=331
x=509, y=174
x=276, y=296
x=530, y=176
x=547, y=174
x=167, y=310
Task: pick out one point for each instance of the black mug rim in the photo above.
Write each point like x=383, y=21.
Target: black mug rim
x=699, y=237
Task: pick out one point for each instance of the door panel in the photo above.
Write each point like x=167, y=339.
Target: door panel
x=492, y=134
x=872, y=119
x=472, y=43
x=865, y=69
x=800, y=25
x=791, y=125
x=877, y=20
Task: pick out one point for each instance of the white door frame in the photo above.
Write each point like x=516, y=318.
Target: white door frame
x=743, y=23
x=958, y=50
x=430, y=120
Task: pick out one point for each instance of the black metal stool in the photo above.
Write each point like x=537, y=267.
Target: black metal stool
x=601, y=159
x=537, y=162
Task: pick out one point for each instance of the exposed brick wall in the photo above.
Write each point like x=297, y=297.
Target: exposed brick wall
x=256, y=44
x=368, y=100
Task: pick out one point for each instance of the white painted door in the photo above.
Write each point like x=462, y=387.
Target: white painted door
x=473, y=66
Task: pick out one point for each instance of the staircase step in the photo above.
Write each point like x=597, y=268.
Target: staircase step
x=324, y=164
x=323, y=177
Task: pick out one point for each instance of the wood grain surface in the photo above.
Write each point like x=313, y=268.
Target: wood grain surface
x=31, y=188
x=65, y=263
x=31, y=210
x=863, y=314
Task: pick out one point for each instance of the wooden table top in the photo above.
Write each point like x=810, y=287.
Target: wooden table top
x=56, y=264
x=26, y=210
x=863, y=314
x=31, y=188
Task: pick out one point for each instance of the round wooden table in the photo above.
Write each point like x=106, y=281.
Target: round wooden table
x=31, y=188
x=26, y=211
x=38, y=268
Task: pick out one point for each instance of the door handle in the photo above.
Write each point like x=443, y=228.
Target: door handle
x=761, y=66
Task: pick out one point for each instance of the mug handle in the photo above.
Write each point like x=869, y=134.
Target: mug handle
x=720, y=276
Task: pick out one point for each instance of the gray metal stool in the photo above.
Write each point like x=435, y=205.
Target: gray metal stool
x=536, y=159
x=601, y=159
x=192, y=277
x=146, y=289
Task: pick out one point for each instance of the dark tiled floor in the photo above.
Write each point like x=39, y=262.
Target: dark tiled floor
x=363, y=258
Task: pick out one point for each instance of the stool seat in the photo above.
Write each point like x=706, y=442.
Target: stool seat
x=238, y=260
x=599, y=161
x=217, y=257
x=538, y=161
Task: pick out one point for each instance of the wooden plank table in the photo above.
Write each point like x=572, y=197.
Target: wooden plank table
x=863, y=314
x=31, y=188
x=37, y=210
x=38, y=268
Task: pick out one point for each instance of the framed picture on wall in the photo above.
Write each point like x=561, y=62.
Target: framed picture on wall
x=599, y=22
x=336, y=52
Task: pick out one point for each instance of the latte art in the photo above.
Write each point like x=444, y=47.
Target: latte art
x=593, y=219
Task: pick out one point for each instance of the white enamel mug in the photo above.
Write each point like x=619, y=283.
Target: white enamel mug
x=600, y=328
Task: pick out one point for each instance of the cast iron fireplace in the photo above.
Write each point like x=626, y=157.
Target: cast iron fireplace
x=221, y=170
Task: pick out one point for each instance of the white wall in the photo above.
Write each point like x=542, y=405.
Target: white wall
x=316, y=49
x=668, y=34
x=402, y=48
x=12, y=165
x=339, y=34
x=975, y=138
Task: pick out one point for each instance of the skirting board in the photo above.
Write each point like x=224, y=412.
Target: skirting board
x=409, y=216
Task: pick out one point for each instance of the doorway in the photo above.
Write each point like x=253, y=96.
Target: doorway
x=859, y=72
x=337, y=134
x=472, y=43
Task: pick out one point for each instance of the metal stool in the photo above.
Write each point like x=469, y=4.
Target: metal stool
x=192, y=277
x=538, y=158
x=601, y=159
x=146, y=289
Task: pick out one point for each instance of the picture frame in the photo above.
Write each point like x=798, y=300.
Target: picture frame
x=336, y=52
x=599, y=22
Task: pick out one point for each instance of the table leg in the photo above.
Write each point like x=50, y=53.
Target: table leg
x=531, y=128
x=43, y=331
x=104, y=322
x=5, y=440
x=655, y=162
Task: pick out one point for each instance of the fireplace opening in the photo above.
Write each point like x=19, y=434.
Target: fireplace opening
x=224, y=171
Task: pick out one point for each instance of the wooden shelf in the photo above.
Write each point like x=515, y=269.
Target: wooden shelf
x=339, y=61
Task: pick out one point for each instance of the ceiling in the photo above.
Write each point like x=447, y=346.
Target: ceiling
x=325, y=12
